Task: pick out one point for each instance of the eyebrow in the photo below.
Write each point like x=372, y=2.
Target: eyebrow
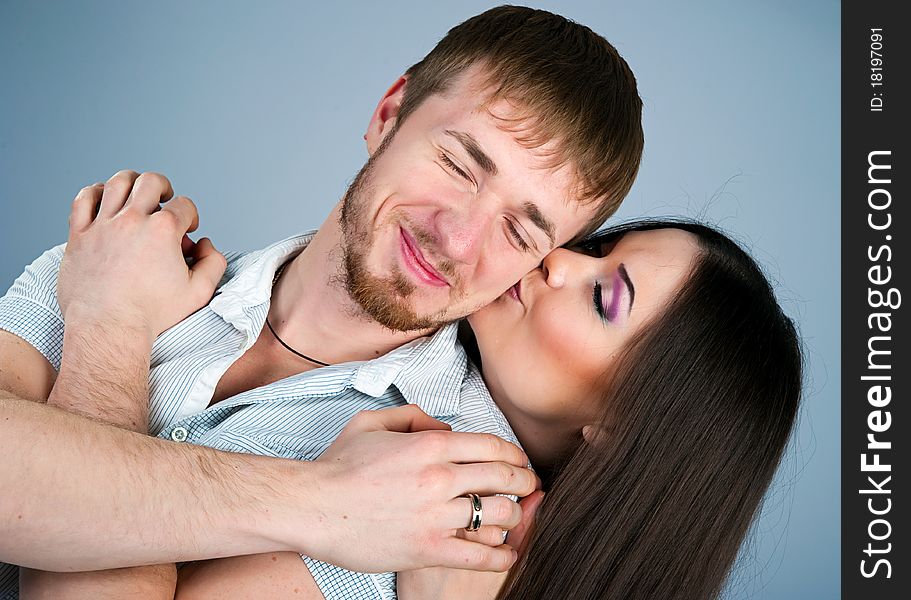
x=473, y=148
x=629, y=283
x=535, y=215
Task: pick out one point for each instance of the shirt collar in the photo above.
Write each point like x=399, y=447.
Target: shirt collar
x=250, y=284
x=428, y=372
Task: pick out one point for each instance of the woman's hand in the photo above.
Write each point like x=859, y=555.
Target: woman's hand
x=462, y=584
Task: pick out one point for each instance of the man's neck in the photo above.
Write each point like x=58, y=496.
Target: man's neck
x=313, y=313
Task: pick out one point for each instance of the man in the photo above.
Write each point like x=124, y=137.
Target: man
x=518, y=133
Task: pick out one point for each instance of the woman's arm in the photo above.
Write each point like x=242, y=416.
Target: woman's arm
x=448, y=584
x=275, y=575
x=283, y=575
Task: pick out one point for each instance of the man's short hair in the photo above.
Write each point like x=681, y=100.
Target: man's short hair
x=569, y=84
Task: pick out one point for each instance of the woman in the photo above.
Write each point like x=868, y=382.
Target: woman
x=653, y=381
x=695, y=413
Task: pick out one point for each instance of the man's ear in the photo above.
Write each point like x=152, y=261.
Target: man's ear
x=385, y=115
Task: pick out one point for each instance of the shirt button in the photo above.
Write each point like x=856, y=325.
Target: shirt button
x=179, y=434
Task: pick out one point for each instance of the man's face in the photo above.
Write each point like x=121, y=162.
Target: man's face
x=450, y=210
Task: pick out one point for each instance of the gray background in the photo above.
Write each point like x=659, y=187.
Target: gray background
x=257, y=112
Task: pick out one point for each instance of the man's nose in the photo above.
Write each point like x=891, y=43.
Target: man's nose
x=464, y=233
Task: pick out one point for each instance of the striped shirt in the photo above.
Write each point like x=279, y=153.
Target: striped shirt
x=297, y=417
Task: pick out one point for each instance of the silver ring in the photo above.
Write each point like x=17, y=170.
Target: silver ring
x=475, y=522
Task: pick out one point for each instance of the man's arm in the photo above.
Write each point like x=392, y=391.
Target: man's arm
x=92, y=496
x=28, y=374
x=106, y=382
x=110, y=513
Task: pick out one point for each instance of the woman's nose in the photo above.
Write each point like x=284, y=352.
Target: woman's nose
x=556, y=267
x=563, y=267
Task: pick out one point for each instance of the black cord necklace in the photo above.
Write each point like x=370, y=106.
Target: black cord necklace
x=281, y=341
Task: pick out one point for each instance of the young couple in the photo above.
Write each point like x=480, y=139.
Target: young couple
x=647, y=371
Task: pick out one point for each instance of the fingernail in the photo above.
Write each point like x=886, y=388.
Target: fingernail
x=515, y=555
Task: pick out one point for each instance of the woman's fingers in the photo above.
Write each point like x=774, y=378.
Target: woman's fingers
x=493, y=478
x=497, y=511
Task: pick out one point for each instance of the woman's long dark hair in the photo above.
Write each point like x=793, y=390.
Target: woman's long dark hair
x=697, y=412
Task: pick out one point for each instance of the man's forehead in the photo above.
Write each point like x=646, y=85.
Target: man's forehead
x=502, y=140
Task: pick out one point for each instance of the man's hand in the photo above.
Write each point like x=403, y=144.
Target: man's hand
x=126, y=267
x=392, y=497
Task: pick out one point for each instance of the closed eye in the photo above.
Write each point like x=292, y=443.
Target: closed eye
x=454, y=167
x=520, y=241
x=598, y=300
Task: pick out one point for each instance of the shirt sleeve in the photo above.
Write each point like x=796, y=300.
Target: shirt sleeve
x=30, y=309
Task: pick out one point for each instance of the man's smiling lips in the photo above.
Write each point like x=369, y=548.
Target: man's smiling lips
x=416, y=262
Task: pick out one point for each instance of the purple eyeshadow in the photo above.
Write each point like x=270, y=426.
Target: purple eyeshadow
x=614, y=307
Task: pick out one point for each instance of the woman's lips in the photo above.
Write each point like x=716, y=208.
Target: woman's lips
x=516, y=292
x=416, y=262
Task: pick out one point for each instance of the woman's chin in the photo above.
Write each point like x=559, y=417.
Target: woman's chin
x=478, y=318
x=486, y=315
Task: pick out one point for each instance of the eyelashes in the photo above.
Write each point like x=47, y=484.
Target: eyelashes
x=454, y=167
x=517, y=237
x=598, y=300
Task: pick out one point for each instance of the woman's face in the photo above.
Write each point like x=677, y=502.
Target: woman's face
x=547, y=341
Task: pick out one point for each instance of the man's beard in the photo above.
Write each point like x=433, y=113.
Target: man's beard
x=384, y=299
